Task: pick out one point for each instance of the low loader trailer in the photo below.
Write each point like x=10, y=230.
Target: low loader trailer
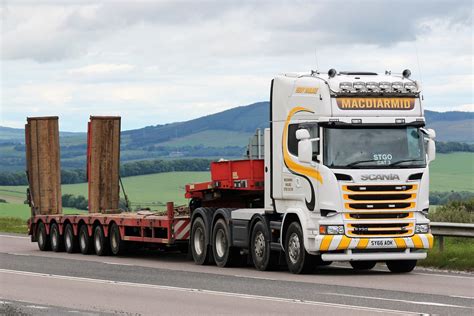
x=340, y=174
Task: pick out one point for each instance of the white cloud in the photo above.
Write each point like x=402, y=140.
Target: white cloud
x=101, y=69
x=156, y=62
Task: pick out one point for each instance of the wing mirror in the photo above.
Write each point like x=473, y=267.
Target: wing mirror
x=305, y=145
x=430, y=143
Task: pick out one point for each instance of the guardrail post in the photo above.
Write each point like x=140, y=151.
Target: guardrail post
x=441, y=243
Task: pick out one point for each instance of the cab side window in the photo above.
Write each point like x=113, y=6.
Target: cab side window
x=293, y=142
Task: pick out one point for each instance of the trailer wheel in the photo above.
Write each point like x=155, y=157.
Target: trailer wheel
x=43, y=240
x=401, y=266
x=262, y=256
x=56, y=241
x=224, y=254
x=70, y=241
x=199, y=247
x=363, y=265
x=101, y=243
x=117, y=245
x=298, y=260
x=85, y=241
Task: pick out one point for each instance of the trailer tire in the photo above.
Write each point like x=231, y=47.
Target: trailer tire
x=363, y=265
x=101, y=243
x=224, y=254
x=401, y=266
x=117, y=245
x=262, y=257
x=199, y=248
x=85, y=241
x=70, y=241
x=298, y=260
x=57, y=243
x=43, y=240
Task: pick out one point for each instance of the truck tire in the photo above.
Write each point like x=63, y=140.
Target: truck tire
x=262, y=257
x=298, y=260
x=224, y=254
x=117, y=245
x=43, y=240
x=70, y=241
x=198, y=239
x=363, y=265
x=85, y=241
x=57, y=244
x=101, y=243
x=401, y=266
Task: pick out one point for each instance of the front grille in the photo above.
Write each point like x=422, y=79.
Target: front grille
x=378, y=215
x=378, y=206
x=379, y=210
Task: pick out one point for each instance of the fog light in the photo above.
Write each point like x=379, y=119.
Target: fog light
x=331, y=230
x=422, y=228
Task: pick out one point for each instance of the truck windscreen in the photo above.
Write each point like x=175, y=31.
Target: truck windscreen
x=374, y=147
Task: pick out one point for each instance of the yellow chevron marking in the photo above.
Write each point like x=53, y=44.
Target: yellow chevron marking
x=417, y=242
x=362, y=243
x=344, y=243
x=430, y=240
x=400, y=243
x=292, y=165
x=326, y=242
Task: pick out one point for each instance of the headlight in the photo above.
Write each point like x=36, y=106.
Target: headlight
x=372, y=86
x=385, y=86
x=422, y=228
x=345, y=86
x=359, y=86
x=397, y=86
x=331, y=230
x=411, y=86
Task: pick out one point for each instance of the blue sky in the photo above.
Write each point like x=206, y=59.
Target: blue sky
x=155, y=62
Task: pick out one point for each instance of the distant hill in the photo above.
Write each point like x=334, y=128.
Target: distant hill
x=224, y=134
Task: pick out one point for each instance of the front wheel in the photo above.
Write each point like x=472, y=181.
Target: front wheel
x=363, y=265
x=401, y=266
x=299, y=261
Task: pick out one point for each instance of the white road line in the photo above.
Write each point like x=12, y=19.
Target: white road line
x=18, y=254
x=397, y=300
x=37, y=306
x=459, y=296
x=118, y=263
x=209, y=292
x=445, y=275
x=17, y=237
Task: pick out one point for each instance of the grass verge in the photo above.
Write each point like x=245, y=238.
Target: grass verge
x=458, y=254
x=13, y=225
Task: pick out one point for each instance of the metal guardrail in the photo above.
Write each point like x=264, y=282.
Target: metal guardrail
x=441, y=230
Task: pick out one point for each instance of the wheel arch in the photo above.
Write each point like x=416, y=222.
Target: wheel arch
x=288, y=218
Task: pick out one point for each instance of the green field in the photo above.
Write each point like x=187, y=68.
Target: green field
x=152, y=191
x=449, y=172
x=452, y=172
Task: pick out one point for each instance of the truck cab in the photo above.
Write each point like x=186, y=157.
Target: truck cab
x=349, y=163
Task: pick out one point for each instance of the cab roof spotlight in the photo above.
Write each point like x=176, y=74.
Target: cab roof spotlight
x=406, y=73
x=332, y=73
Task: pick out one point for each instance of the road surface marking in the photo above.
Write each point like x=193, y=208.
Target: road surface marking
x=459, y=296
x=209, y=292
x=17, y=237
x=397, y=300
x=117, y=263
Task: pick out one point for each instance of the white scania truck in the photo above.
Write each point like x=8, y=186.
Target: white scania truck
x=345, y=178
x=341, y=174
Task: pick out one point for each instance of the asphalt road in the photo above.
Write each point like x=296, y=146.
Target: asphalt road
x=47, y=283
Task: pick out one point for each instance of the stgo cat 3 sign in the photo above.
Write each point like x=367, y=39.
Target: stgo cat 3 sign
x=376, y=103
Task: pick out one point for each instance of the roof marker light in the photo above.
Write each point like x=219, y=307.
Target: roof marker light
x=332, y=73
x=406, y=73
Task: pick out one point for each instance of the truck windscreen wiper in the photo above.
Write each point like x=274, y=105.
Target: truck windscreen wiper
x=406, y=160
x=361, y=161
